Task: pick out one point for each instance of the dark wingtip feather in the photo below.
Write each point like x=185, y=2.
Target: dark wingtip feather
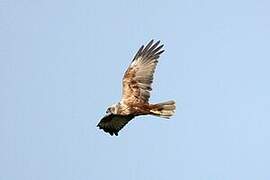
x=151, y=42
x=150, y=52
x=160, y=52
x=138, y=53
x=147, y=47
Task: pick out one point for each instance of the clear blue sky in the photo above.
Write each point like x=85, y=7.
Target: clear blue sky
x=61, y=64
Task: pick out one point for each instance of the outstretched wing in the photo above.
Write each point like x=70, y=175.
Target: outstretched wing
x=139, y=75
x=114, y=123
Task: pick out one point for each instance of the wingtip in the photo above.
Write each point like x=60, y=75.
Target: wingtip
x=149, y=44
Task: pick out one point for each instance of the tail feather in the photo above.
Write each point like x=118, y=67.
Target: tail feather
x=164, y=109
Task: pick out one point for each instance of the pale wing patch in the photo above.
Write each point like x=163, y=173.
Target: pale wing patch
x=139, y=76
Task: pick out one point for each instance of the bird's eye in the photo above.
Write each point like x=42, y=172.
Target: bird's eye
x=108, y=110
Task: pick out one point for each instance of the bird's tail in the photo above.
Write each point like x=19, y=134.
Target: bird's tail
x=164, y=109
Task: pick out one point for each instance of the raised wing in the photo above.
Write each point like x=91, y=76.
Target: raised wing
x=139, y=76
x=114, y=123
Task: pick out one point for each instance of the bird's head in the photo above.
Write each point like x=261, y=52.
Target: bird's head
x=112, y=109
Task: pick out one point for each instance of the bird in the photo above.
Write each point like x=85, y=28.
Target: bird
x=136, y=87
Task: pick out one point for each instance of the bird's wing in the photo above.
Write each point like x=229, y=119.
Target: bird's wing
x=114, y=123
x=139, y=75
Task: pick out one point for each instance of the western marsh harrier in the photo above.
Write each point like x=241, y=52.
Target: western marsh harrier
x=136, y=92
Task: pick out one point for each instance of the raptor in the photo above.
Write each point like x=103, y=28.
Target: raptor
x=136, y=89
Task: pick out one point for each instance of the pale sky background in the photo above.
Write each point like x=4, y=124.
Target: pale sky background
x=61, y=64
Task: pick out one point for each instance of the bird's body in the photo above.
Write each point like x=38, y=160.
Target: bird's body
x=136, y=84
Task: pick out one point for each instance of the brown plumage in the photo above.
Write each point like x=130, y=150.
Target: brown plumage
x=136, y=83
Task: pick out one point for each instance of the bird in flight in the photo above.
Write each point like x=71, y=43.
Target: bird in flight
x=136, y=87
